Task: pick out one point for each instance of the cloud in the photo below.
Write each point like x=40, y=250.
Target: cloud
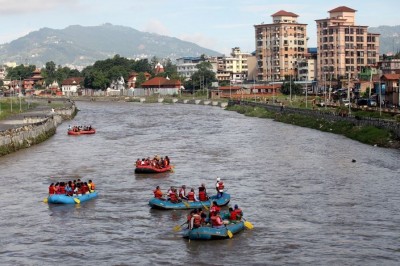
x=14, y=7
x=156, y=26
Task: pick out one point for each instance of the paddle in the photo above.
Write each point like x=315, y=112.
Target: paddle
x=179, y=227
x=247, y=224
x=77, y=201
x=186, y=204
x=172, y=168
x=228, y=232
x=204, y=206
x=46, y=200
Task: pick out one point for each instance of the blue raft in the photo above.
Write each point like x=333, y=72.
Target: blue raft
x=211, y=233
x=167, y=205
x=63, y=199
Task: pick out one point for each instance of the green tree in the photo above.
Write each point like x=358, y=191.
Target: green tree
x=288, y=87
x=49, y=72
x=20, y=72
x=202, y=77
x=140, y=79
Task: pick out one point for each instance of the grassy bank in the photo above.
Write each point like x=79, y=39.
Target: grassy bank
x=365, y=134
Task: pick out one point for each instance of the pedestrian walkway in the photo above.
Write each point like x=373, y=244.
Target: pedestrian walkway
x=18, y=120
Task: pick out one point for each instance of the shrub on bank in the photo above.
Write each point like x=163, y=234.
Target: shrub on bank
x=365, y=134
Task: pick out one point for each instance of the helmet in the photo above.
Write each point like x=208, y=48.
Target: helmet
x=218, y=179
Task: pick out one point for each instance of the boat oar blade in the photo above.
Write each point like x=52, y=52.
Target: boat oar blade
x=77, y=201
x=229, y=233
x=177, y=228
x=248, y=225
x=204, y=206
x=186, y=204
x=46, y=200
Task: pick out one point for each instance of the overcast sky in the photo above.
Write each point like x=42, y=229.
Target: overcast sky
x=215, y=24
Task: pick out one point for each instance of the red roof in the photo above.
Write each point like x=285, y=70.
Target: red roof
x=161, y=82
x=391, y=76
x=342, y=9
x=284, y=13
x=72, y=81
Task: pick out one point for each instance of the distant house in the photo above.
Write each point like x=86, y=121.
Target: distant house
x=71, y=86
x=391, y=89
x=132, y=79
x=160, y=86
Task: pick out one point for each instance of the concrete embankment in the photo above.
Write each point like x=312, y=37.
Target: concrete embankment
x=31, y=128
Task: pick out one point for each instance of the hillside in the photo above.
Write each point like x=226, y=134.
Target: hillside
x=390, y=38
x=81, y=46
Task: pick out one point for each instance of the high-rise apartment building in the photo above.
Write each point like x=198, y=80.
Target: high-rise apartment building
x=343, y=47
x=279, y=46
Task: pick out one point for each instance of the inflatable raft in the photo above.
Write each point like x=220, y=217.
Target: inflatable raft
x=64, y=199
x=81, y=132
x=148, y=169
x=211, y=233
x=184, y=205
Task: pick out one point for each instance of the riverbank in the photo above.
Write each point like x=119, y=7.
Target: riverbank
x=365, y=134
x=33, y=126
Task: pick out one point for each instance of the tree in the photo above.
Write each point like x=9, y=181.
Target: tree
x=140, y=79
x=202, y=77
x=49, y=72
x=20, y=72
x=292, y=87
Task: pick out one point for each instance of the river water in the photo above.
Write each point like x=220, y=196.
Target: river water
x=308, y=202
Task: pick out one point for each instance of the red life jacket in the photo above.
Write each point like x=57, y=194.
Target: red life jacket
x=84, y=189
x=221, y=186
x=238, y=212
x=172, y=197
x=214, y=208
x=202, y=196
x=233, y=215
x=216, y=221
x=61, y=190
x=196, y=220
x=190, y=196
x=52, y=190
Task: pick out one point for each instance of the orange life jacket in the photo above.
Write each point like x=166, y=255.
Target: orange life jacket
x=190, y=196
x=158, y=193
x=92, y=186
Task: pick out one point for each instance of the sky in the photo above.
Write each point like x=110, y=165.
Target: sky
x=219, y=25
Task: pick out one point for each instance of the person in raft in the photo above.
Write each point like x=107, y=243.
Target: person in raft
x=158, y=193
x=182, y=193
x=191, y=196
x=216, y=220
x=195, y=220
x=203, y=193
x=219, y=186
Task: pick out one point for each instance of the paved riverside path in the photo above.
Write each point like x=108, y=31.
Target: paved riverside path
x=17, y=120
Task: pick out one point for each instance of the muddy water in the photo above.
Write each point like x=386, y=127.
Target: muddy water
x=309, y=203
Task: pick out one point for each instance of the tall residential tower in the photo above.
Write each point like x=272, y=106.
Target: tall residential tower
x=279, y=46
x=343, y=47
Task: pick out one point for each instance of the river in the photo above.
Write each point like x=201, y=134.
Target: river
x=310, y=204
